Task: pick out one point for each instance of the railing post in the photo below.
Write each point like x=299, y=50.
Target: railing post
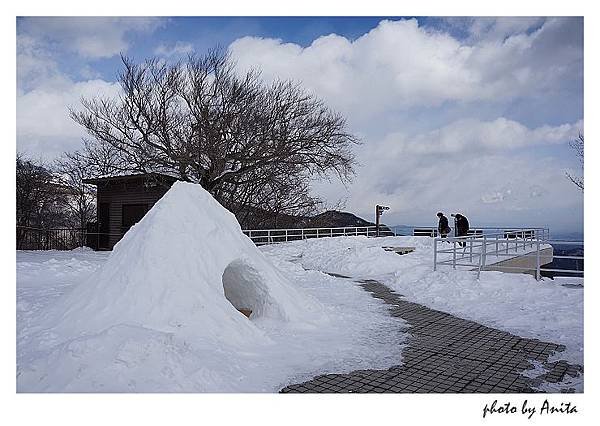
x=434, y=254
x=356, y=231
x=317, y=232
x=286, y=235
x=482, y=256
x=470, y=250
x=454, y=255
x=537, y=261
x=302, y=233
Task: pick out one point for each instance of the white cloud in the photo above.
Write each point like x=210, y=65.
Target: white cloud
x=498, y=29
x=478, y=136
x=44, y=127
x=34, y=64
x=89, y=37
x=45, y=93
x=432, y=112
x=400, y=64
x=449, y=169
x=178, y=49
x=44, y=96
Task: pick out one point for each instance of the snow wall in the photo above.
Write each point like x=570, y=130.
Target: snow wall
x=185, y=268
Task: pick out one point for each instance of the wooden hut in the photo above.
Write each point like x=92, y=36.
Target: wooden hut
x=122, y=201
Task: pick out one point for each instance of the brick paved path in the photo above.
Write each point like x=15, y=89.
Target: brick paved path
x=447, y=354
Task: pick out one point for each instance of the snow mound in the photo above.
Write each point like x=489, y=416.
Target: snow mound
x=185, y=268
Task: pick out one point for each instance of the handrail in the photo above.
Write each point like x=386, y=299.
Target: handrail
x=523, y=242
x=310, y=229
x=273, y=236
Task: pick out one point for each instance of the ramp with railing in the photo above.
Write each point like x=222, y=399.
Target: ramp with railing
x=524, y=250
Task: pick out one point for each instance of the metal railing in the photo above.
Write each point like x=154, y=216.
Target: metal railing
x=578, y=260
x=272, y=236
x=491, y=249
x=488, y=230
x=485, y=247
x=31, y=238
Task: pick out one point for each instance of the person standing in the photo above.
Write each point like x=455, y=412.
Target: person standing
x=462, y=227
x=443, y=228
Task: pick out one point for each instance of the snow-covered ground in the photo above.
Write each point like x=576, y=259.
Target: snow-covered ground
x=360, y=334
x=356, y=331
x=517, y=303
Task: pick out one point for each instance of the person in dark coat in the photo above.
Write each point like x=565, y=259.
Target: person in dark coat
x=443, y=228
x=462, y=227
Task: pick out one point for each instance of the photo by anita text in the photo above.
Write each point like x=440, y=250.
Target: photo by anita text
x=528, y=409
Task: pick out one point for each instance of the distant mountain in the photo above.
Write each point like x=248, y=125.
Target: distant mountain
x=327, y=219
x=335, y=219
x=566, y=236
x=338, y=219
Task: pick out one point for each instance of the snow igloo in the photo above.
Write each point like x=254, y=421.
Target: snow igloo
x=185, y=268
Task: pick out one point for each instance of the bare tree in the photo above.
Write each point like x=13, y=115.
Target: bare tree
x=253, y=146
x=38, y=197
x=577, y=146
x=80, y=201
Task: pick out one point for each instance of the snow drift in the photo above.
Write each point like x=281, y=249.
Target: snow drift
x=186, y=268
x=162, y=313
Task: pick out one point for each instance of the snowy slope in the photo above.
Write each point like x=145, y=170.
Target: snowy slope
x=516, y=303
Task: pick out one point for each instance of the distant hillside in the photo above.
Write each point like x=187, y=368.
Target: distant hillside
x=328, y=219
x=336, y=219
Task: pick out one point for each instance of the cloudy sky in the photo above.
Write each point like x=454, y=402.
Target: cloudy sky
x=457, y=114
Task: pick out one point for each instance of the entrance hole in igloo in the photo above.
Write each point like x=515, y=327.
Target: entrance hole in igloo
x=244, y=288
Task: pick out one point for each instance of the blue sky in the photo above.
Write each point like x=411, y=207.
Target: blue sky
x=455, y=114
x=206, y=32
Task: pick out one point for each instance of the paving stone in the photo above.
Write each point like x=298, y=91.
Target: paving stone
x=446, y=354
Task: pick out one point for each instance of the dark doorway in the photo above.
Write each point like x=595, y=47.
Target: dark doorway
x=103, y=225
x=132, y=213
